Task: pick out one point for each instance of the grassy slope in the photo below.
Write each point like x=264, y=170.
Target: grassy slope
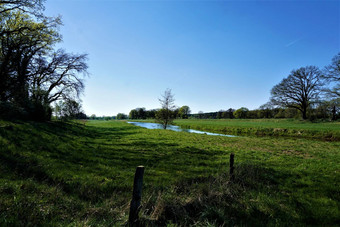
x=53, y=173
x=270, y=127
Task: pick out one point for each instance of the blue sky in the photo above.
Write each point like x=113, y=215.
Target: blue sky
x=212, y=54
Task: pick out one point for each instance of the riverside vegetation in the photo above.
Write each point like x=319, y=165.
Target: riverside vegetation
x=81, y=174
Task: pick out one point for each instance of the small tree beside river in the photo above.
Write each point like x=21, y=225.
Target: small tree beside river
x=166, y=115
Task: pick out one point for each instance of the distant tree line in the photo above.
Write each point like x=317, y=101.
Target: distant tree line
x=119, y=116
x=141, y=113
x=33, y=75
x=106, y=118
x=321, y=110
x=245, y=113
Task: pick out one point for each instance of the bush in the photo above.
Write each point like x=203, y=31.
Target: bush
x=10, y=111
x=32, y=111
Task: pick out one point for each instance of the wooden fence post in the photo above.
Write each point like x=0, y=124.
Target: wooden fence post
x=231, y=169
x=136, y=196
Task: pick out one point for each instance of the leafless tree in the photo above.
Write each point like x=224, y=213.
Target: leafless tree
x=332, y=75
x=34, y=7
x=165, y=115
x=299, y=90
x=58, y=77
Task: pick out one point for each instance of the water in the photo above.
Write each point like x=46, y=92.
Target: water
x=174, y=128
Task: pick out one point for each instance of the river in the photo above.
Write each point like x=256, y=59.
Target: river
x=174, y=128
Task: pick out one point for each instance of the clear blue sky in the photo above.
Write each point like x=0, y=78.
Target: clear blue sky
x=212, y=54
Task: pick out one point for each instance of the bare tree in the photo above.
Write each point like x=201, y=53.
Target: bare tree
x=299, y=90
x=28, y=6
x=332, y=75
x=165, y=115
x=58, y=77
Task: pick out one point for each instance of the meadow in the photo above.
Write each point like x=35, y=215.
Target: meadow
x=81, y=174
x=267, y=127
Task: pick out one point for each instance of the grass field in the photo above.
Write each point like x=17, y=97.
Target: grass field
x=269, y=127
x=81, y=175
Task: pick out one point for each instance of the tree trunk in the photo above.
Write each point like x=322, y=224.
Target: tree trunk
x=334, y=113
x=304, y=113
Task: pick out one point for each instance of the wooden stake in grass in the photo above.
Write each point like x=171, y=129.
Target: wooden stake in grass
x=231, y=169
x=136, y=195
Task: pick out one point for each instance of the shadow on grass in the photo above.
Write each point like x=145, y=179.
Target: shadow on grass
x=95, y=165
x=55, y=153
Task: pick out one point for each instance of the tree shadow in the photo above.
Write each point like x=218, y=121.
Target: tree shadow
x=56, y=153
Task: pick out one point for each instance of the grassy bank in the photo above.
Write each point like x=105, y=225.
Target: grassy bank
x=267, y=127
x=76, y=174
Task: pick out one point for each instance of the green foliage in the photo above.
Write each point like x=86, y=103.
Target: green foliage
x=22, y=38
x=133, y=114
x=165, y=117
x=184, y=112
x=141, y=113
x=167, y=113
x=81, y=175
x=70, y=109
x=121, y=116
x=241, y=113
x=12, y=111
x=32, y=75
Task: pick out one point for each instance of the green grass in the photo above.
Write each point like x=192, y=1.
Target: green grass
x=81, y=175
x=269, y=127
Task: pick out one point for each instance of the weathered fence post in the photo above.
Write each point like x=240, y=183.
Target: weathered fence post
x=231, y=169
x=136, y=196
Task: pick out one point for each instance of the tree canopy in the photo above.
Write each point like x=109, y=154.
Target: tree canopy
x=241, y=113
x=332, y=75
x=32, y=73
x=299, y=90
x=34, y=7
x=184, y=112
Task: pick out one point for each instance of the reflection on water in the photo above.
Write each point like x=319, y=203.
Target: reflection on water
x=174, y=128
